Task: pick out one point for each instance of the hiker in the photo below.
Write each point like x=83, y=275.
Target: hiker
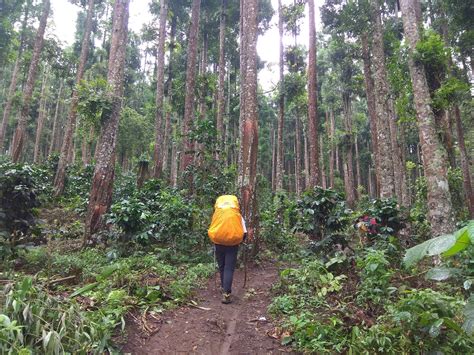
x=227, y=231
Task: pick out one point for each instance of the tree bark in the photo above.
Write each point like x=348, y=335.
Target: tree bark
x=20, y=132
x=348, y=159
x=65, y=156
x=221, y=82
x=41, y=117
x=332, y=158
x=298, y=155
x=312, y=100
x=464, y=162
x=160, y=85
x=386, y=167
x=440, y=210
x=14, y=80
x=306, y=159
x=357, y=161
x=247, y=174
x=281, y=107
x=323, y=168
x=188, y=144
x=370, y=93
x=52, y=145
x=102, y=181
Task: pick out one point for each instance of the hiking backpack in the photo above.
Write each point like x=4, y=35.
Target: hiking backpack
x=226, y=225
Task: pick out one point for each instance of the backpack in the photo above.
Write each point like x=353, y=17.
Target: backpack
x=226, y=225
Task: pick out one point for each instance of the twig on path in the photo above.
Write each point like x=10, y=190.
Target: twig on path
x=194, y=304
x=144, y=322
x=67, y=278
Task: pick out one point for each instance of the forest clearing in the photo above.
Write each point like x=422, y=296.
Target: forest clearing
x=331, y=141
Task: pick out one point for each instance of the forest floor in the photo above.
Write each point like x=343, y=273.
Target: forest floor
x=209, y=327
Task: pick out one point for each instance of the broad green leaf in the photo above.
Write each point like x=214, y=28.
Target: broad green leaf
x=416, y=253
x=462, y=242
x=440, y=273
x=84, y=289
x=470, y=230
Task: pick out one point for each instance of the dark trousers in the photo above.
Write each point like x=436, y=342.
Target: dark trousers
x=226, y=259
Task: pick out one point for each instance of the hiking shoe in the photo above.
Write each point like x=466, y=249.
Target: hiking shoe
x=226, y=298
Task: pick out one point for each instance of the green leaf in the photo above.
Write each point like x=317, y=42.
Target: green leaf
x=468, y=325
x=462, y=242
x=286, y=340
x=84, y=289
x=441, y=273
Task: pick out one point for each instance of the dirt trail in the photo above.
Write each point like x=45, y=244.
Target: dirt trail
x=237, y=328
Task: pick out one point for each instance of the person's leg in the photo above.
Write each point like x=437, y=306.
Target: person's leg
x=229, y=266
x=220, y=257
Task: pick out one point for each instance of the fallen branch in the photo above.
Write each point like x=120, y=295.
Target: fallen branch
x=57, y=281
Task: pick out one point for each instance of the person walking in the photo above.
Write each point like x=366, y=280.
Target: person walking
x=227, y=231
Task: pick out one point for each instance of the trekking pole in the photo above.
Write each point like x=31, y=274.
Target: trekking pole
x=245, y=265
x=215, y=267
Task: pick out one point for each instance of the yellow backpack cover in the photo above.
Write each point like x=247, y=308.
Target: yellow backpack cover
x=226, y=225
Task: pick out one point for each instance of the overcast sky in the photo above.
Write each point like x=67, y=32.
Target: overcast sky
x=65, y=15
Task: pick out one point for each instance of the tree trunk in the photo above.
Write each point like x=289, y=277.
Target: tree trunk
x=188, y=145
x=307, y=184
x=298, y=155
x=386, y=167
x=143, y=173
x=464, y=163
x=281, y=108
x=160, y=85
x=274, y=153
x=312, y=100
x=41, y=117
x=357, y=161
x=14, y=80
x=323, y=168
x=247, y=174
x=102, y=181
x=370, y=93
x=440, y=210
x=332, y=158
x=20, y=132
x=67, y=145
x=52, y=145
x=221, y=81
x=347, y=144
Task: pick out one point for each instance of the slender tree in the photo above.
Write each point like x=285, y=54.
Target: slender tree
x=221, y=80
x=440, y=210
x=103, y=178
x=247, y=174
x=20, y=132
x=281, y=107
x=14, y=80
x=54, y=139
x=188, y=144
x=160, y=76
x=67, y=145
x=41, y=116
x=312, y=101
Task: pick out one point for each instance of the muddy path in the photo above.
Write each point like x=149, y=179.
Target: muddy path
x=242, y=327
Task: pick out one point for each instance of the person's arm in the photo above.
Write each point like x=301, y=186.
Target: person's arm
x=244, y=227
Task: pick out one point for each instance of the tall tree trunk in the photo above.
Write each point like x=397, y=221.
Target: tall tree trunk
x=370, y=93
x=169, y=94
x=41, y=117
x=464, y=162
x=357, y=161
x=307, y=183
x=332, y=158
x=188, y=144
x=52, y=145
x=440, y=210
x=160, y=85
x=386, y=171
x=67, y=145
x=274, y=154
x=102, y=181
x=221, y=82
x=14, y=80
x=348, y=159
x=20, y=132
x=247, y=175
x=281, y=107
x=298, y=155
x=312, y=100
x=322, y=168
